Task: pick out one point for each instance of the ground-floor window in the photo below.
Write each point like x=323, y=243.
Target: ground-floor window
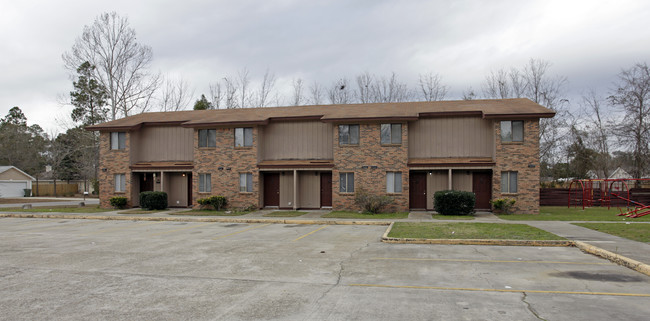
x=246, y=182
x=205, y=183
x=120, y=182
x=393, y=182
x=508, y=182
x=346, y=183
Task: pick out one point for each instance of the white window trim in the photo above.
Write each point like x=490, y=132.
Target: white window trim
x=206, y=187
x=391, y=185
x=120, y=183
x=506, y=182
x=244, y=186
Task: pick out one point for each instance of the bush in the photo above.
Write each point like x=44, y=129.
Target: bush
x=118, y=202
x=370, y=203
x=217, y=202
x=449, y=202
x=153, y=200
x=503, y=205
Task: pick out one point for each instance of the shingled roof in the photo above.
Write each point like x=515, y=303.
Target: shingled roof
x=493, y=108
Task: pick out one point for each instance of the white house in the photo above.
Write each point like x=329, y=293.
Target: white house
x=13, y=182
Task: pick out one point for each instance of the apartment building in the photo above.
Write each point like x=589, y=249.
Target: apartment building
x=310, y=157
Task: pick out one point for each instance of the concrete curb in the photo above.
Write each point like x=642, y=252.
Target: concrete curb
x=616, y=258
x=194, y=219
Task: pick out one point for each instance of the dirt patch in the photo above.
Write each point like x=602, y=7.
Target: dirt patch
x=26, y=200
x=597, y=276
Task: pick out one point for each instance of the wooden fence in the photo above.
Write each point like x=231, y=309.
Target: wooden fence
x=62, y=189
x=560, y=197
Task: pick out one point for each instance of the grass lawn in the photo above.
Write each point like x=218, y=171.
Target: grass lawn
x=636, y=232
x=64, y=209
x=284, y=214
x=27, y=200
x=140, y=211
x=346, y=214
x=492, y=231
x=562, y=213
x=203, y=212
x=452, y=217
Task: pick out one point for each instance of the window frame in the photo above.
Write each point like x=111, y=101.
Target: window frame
x=392, y=139
x=119, y=182
x=506, y=184
x=396, y=187
x=510, y=138
x=120, y=138
x=205, y=143
x=246, y=140
x=205, y=183
x=349, y=141
x=248, y=183
x=349, y=180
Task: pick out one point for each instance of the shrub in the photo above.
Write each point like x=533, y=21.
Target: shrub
x=118, y=202
x=217, y=202
x=449, y=202
x=503, y=205
x=370, y=203
x=153, y=200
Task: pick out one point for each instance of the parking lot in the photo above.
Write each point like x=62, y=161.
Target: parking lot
x=93, y=269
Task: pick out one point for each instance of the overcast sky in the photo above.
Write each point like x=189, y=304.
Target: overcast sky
x=320, y=41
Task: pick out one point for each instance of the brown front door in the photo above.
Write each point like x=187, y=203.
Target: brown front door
x=418, y=190
x=272, y=189
x=482, y=187
x=325, y=189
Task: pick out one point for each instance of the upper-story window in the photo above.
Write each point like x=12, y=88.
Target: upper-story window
x=391, y=134
x=118, y=140
x=348, y=134
x=243, y=136
x=207, y=138
x=512, y=131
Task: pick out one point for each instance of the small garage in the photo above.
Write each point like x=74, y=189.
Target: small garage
x=13, y=182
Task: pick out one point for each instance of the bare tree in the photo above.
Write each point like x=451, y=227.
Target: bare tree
x=631, y=97
x=243, y=82
x=340, y=92
x=596, y=116
x=176, y=95
x=297, y=93
x=121, y=63
x=364, y=87
x=497, y=85
x=432, y=87
x=469, y=94
x=387, y=90
x=230, y=93
x=268, y=82
x=216, y=95
x=316, y=94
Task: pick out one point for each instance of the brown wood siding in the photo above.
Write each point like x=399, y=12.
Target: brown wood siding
x=162, y=144
x=309, y=191
x=177, y=186
x=13, y=174
x=461, y=180
x=437, y=181
x=297, y=140
x=286, y=190
x=451, y=137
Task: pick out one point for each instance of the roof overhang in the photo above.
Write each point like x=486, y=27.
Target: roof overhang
x=451, y=162
x=148, y=166
x=291, y=164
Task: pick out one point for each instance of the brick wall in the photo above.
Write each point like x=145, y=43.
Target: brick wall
x=115, y=162
x=522, y=157
x=207, y=160
x=370, y=153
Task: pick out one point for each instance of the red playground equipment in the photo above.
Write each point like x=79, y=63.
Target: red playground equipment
x=607, y=192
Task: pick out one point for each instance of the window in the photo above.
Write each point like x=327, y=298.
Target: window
x=118, y=140
x=244, y=137
x=120, y=182
x=508, y=182
x=512, y=131
x=394, y=182
x=347, y=183
x=246, y=182
x=205, y=183
x=207, y=138
x=391, y=134
x=348, y=134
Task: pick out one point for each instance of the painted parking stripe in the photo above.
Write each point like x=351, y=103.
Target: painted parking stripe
x=487, y=261
x=310, y=233
x=442, y=288
x=179, y=229
x=113, y=229
x=242, y=231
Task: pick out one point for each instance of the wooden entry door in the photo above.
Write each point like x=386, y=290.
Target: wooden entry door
x=326, y=189
x=418, y=190
x=482, y=187
x=271, y=189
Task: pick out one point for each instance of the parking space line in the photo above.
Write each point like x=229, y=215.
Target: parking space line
x=497, y=290
x=179, y=229
x=120, y=228
x=488, y=261
x=61, y=226
x=242, y=231
x=310, y=233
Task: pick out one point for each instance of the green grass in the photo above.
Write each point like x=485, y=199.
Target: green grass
x=452, y=217
x=284, y=214
x=63, y=209
x=347, y=214
x=636, y=232
x=140, y=211
x=562, y=213
x=204, y=212
x=492, y=231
